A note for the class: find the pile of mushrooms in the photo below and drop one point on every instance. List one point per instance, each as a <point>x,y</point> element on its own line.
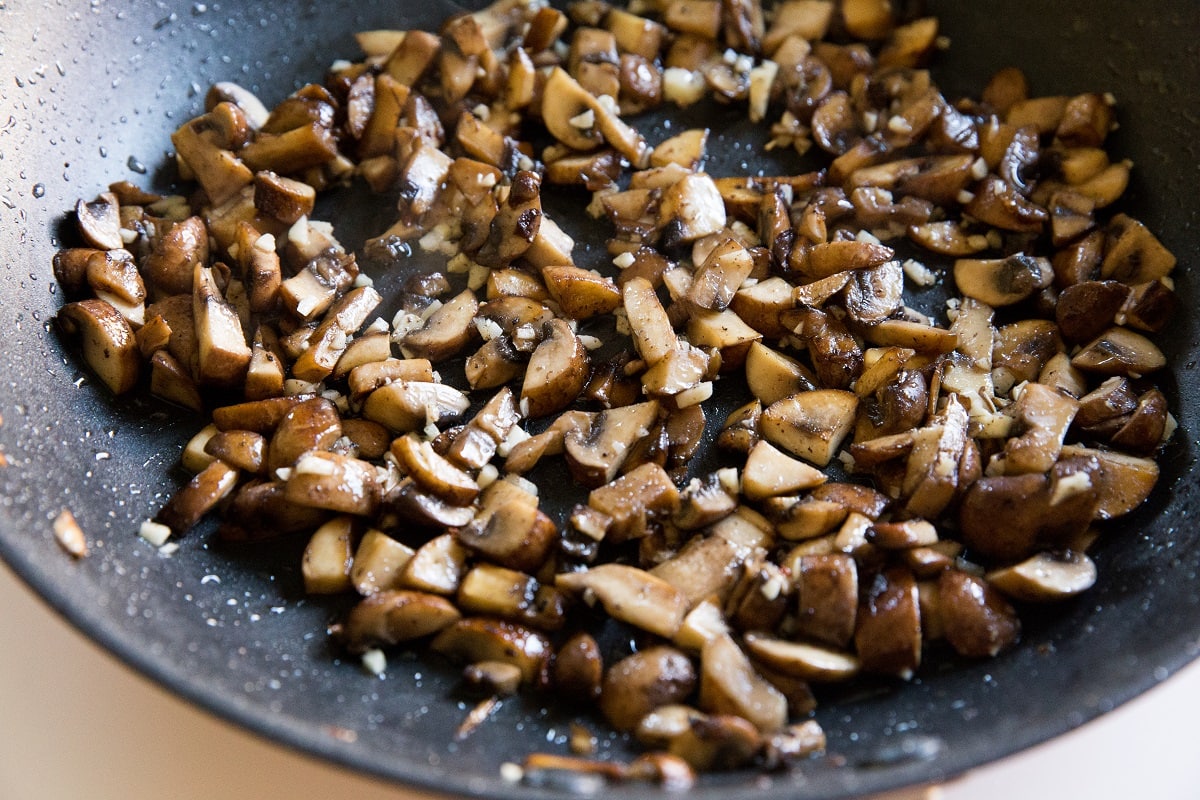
<point>986,452</point>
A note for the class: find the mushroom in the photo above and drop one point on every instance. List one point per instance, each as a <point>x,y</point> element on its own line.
<point>100,222</point>
<point>390,617</point>
<point>887,633</point>
<point>436,567</point>
<point>597,450</point>
<point>976,619</point>
<point>805,661</point>
<point>221,348</point>
<point>516,535</point>
<point>690,209</point>
<point>639,683</point>
<point>501,592</point>
<point>812,424</point>
<point>557,371</point>
<point>433,472</point>
<point>335,482</point>
<point>300,427</point>
<point>827,595</point>
<point>108,343</point>
<point>578,667</point>
<point>729,684</point>
<point>329,556</point>
<point>1002,282</point>
<point>378,562</point>
<point>198,497</point>
<point>406,405</point>
<point>631,595</point>
<point>1120,351</point>
<point>475,639</point>
<point>1046,577</point>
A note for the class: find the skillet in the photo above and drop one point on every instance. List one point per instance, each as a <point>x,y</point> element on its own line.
<point>89,95</point>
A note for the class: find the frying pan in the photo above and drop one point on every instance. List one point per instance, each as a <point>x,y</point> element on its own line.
<point>89,95</point>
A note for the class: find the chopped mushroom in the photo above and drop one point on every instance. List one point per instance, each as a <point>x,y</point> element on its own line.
<point>989,445</point>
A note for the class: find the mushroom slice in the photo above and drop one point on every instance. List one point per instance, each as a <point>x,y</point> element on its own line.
<point>223,353</point>
<point>827,594</point>
<point>308,425</point>
<point>565,116</point>
<point>874,294</point>
<point>335,482</point>
<point>976,619</point>
<point>706,567</point>
<point>948,238</point>
<point>631,595</point>
<point>691,209</point>
<point>433,472</point>
<point>1046,577</point>
<point>830,258</point>
<point>446,332</point>
<point>596,451</point>
<point>1132,254</point>
<point>194,500</point>
<point>331,338</point>
<point>557,371</point>
<point>1043,418</point>
<point>812,424</point>
<point>802,660</point>
<point>916,335</point>
<point>644,681</point>
<point>1119,351</point>
<point>718,279</point>
<point>378,563</point>
<point>729,684</point>
<point>724,331</point>
<point>578,667</point>
<point>244,450</point>
<point>397,615</point>
<point>501,592</point>
<point>109,345</point>
<point>438,566</point>
<point>769,472</point>
<point>1123,482</point>
<point>515,535</point>
<point>581,293</point>
<point>772,376</point>
<point>516,224</point>
<point>328,557</point>
<point>100,222</point>
<point>887,635</point>
<point>407,405</point>
<point>475,639</point>
<point>931,475</point>
<point>1002,282</point>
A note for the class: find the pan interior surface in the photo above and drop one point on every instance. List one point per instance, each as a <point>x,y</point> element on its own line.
<point>90,96</point>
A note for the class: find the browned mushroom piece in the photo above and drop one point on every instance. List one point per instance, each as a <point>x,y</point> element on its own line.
<point>729,684</point>
<point>639,683</point>
<point>475,639</point>
<point>300,427</point>
<point>510,594</point>
<point>399,615</point>
<point>516,535</point>
<point>557,371</point>
<point>887,633</point>
<point>1002,282</point>
<point>578,668</point>
<point>1120,351</point>
<point>976,619</point>
<point>827,598</point>
<point>597,448</point>
<point>198,497</point>
<point>812,424</point>
<point>335,482</point>
<point>1010,517</point>
<point>1046,577</point>
<point>107,340</point>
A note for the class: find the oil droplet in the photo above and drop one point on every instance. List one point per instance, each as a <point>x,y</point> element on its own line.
<point>135,165</point>
<point>39,190</point>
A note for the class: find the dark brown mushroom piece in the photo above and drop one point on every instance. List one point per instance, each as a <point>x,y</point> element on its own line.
<point>976,619</point>
<point>107,340</point>
<point>639,683</point>
<point>887,633</point>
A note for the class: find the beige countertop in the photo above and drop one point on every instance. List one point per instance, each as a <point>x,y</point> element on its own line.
<point>78,724</point>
